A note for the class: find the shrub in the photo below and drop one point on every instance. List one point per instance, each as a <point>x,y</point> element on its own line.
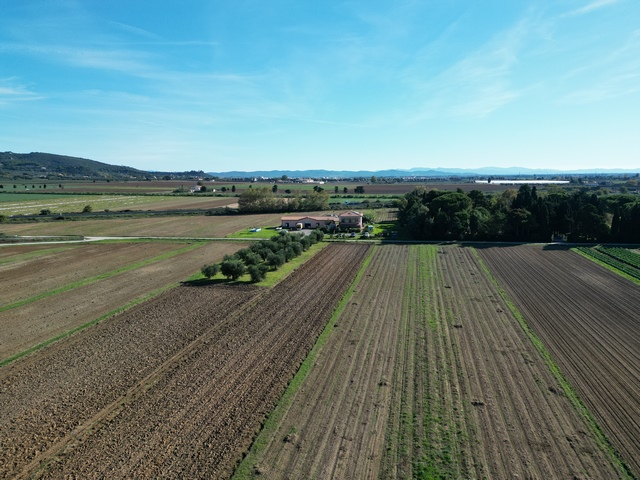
<point>256,273</point>
<point>233,268</point>
<point>275,260</point>
<point>210,271</point>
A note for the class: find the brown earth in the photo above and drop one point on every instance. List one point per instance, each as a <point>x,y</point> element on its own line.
<point>35,322</point>
<point>335,427</point>
<point>427,374</point>
<point>525,425</point>
<point>188,203</point>
<point>173,388</point>
<point>26,274</point>
<point>181,226</point>
<point>588,319</point>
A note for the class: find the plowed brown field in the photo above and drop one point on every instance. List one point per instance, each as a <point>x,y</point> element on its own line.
<point>26,274</point>
<point>428,375</point>
<point>589,320</point>
<point>174,388</point>
<point>165,226</point>
<point>35,322</point>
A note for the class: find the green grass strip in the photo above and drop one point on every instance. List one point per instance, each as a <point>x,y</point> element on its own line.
<point>129,305</point>
<point>600,437</point>
<point>271,424</point>
<point>88,281</point>
<point>604,264</point>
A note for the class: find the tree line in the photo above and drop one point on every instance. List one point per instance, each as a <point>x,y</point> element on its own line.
<point>263,200</point>
<point>520,215</point>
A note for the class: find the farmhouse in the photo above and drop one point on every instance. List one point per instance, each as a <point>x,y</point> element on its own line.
<point>346,220</point>
<point>324,221</point>
<point>351,219</point>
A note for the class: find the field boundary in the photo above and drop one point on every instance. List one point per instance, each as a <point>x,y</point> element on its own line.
<point>600,437</point>
<point>245,468</point>
<point>102,276</point>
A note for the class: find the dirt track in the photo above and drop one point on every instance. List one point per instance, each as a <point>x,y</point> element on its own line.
<point>588,319</point>
<point>176,387</point>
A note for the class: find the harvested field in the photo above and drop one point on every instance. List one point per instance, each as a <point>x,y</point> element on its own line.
<point>587,317</point>
<point>32,323</point>
<point>174,388</point>
<point>428,375</point>
<point>165,226</point>
<point>26,275</point>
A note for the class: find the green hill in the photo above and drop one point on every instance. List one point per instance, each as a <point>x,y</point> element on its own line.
<point>44,164</point>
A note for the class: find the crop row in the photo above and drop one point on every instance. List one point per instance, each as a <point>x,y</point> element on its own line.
<point>612,260</point>
<point>623,254</point>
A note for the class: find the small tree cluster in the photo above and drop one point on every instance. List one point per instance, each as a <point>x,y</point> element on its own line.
<point>262,256</point>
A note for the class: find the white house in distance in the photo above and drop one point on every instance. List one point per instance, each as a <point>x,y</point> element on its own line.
<point>345,220</point>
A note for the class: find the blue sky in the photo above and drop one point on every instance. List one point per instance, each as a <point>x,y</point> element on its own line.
<point>214,85</point>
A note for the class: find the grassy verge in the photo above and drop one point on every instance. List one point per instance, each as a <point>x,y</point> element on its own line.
<point>598,434</point>
<point>271,424</point>
<point>102,276</point>
<point>129,305</point>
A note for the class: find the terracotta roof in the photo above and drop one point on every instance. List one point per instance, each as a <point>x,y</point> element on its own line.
<point>350,213</point>
<point>294,218</point>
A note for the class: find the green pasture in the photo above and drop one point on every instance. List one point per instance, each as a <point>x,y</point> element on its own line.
<point>265,232</point>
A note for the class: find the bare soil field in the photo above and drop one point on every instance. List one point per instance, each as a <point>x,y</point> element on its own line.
<point>35,322</point>
<point>335,426</point>
<point>174,388</point>
<point>588,319</point>
<point>25,275</point>
<point>428,375</point>
<point>188,203</point>
<point>165,226</point>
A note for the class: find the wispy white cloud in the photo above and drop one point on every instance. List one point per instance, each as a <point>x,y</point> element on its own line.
<point>614,75</point>
<point>135,30</point>
<point>595,5</point>
<point>477,84</point>
<point>11,91</point>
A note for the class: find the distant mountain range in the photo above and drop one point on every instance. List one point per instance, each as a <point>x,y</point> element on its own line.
<point>45,164</point>
<point>420,172</point>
